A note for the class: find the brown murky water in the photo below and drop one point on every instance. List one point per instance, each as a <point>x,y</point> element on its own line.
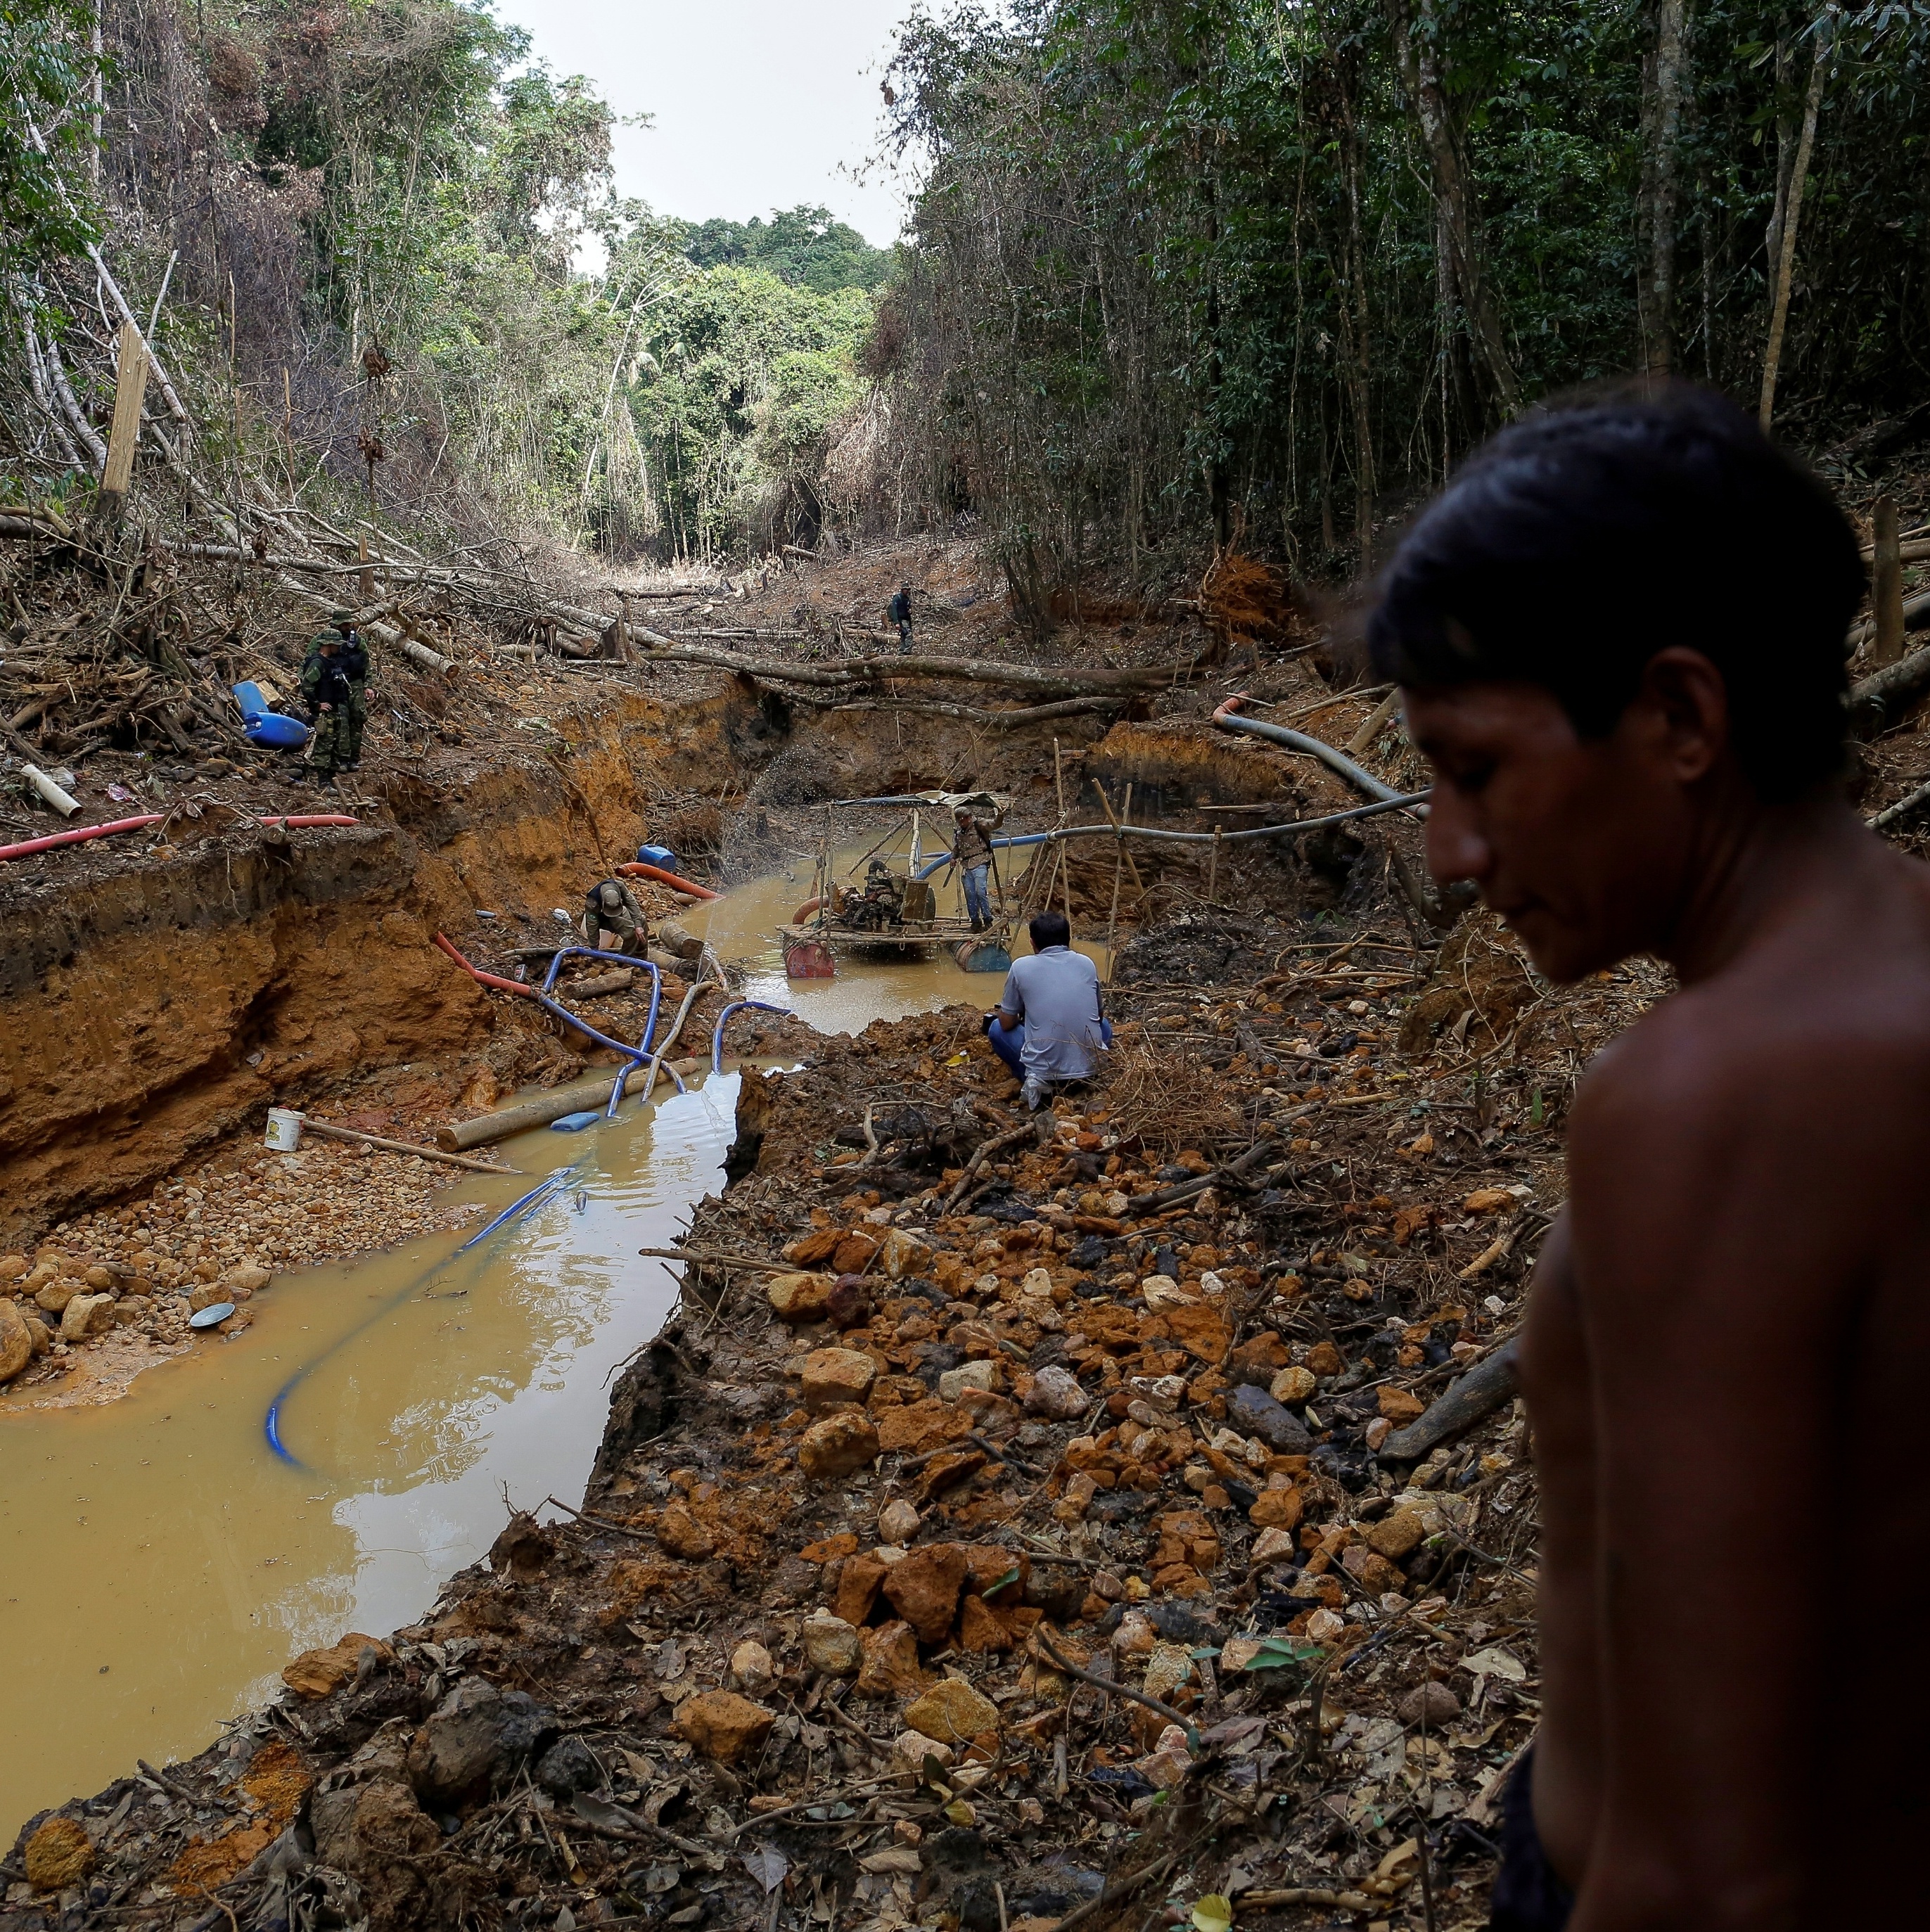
<point>742,926</point>
<point>160,1562</point>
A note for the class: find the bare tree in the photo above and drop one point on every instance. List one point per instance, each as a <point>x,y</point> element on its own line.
<point>1784,267</point>
<point>1664,74</point>
<point>1416,45</point>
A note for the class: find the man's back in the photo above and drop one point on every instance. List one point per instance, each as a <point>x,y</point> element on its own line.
<point>1056,993</point>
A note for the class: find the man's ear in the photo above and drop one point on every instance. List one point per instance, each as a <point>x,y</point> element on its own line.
<point>1683,703</point>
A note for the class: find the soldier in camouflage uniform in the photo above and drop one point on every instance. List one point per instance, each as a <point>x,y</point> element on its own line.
<point>355,668</point>
<point>325,688</point>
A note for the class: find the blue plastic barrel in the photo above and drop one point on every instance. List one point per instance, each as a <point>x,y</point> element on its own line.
<point>261,726</point>
<point>661,856</point>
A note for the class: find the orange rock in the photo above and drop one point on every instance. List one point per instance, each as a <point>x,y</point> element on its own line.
<point>838,1446</point>
<point>924,1588</point>
<point>1277,1509</point>
<point>318,1673</point>
<point>679,1534</point>
<point>982,1629</point>
<point>807,1250</point>
<point>1398,1406</point>
<point>799,1298</point>
<point>853,1254</point>
<point>947,1471</point>
<point>858,1584</point>
<point>1396,1536</point>
<point>921,1426</point>
<point>1199,1329</point>
<point>987,1565</point>
<point>843,1544</point>
<point>1257,1361</point>
<point>1488,1200</point>
<point>1324,1359</point>
<point>1372,1572</point>
<point>721,1726</point>
<point>835,1376</point>
<point>1180,1579</point>
<point>890,1667</point>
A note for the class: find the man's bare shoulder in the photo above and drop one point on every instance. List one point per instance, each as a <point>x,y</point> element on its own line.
<point>1808,1058</point>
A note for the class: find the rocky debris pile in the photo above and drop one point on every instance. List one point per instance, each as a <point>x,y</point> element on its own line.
<point>121,1282</point>
<point>1008,1530</point>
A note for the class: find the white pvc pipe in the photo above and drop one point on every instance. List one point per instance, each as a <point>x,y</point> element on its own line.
<point>65,805</point>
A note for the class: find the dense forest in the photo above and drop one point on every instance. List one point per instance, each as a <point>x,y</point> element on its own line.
<point>1179,273</point>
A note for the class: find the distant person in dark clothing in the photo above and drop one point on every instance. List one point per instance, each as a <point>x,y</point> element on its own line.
<point>899,612</point>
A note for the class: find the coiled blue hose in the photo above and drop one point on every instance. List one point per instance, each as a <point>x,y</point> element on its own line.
<point>717,1032</point>
<point>638,1056</point>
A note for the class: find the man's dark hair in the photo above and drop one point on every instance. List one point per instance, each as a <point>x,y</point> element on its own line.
<point>1048,928</point>
<point>1581,540</point>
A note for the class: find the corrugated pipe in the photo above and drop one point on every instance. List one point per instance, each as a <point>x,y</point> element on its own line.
<point>637,1061</point>
<point>1396,803</point>
<point>28,847</point>
<point>1356,775</point>
<point>635,869</point>
<point>735,1006</point>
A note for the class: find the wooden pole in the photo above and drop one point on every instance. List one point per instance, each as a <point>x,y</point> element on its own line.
<point>365,581</point>
<point>1886,583</point>
<point>1112,917</point>
<point>130,383</point>
<point>1371,730</point>
<point>1212,868</point>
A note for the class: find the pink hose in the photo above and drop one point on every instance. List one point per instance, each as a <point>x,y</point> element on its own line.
<point>28,847</point>
<point>637,869</point>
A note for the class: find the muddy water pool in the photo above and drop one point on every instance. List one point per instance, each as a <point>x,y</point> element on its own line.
<point>742,927</point>
<point>159,1560</point>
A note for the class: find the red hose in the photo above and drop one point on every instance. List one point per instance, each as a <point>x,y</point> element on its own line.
<point>29,846</point>
<point>482,978</point>
<point>637,869</point>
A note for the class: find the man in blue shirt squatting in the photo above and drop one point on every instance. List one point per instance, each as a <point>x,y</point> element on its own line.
<point>1047,1026</point>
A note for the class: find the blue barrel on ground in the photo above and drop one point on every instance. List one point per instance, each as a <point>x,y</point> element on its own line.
<point>263,726</point>
<point>661,856</point>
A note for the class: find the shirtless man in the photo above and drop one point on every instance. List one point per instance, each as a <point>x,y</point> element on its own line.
<point>1619,634</point>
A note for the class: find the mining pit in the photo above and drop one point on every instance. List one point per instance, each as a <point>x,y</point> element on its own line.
<point>978,1517</point>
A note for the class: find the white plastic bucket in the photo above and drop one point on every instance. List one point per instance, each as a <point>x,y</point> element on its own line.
<point>284,1130</point>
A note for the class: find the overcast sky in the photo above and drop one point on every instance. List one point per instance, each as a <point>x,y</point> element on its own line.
<point>756,104</point>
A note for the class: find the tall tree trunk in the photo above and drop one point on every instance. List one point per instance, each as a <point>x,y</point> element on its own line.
<point>1360,342</point>
<point>1416,48</point>
<point>1663,74</point>
<point>1785,264</point>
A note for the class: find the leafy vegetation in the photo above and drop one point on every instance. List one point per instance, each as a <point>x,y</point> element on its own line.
<point>1190,271</point>
<point>803,246</point>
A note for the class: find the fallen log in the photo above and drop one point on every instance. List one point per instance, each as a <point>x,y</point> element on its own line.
<point>1476,1396</point>
<point>593,1091</point>
<point>329,1131</point>
<point>838,672</point>
<point>992,720</point>
<point>1883,693</point>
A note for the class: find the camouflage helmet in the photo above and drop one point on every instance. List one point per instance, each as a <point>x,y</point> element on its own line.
<point>341,619</point>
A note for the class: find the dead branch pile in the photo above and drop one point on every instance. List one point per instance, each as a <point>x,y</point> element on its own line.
<point>1160,1091</point>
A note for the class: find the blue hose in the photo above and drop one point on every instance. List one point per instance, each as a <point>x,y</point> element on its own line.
<point>1399,802</point>
<point>638,1056</point>
<point>717,1033</point>
<point>523,1205</point>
